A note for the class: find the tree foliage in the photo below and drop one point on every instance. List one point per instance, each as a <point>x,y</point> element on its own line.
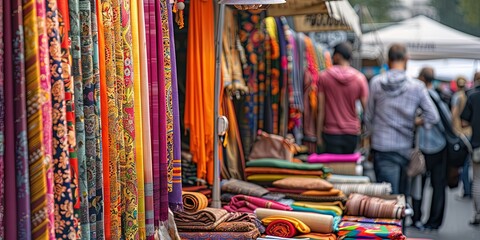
<point>471,11</point>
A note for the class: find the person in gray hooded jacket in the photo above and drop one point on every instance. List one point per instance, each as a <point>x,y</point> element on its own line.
<point>390,119</point>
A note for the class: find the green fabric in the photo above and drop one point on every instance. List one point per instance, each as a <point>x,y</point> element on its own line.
<point>313,210</point>
<point>277,163</point>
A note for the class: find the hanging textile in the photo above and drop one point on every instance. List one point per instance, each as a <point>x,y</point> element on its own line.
<point>23,223</point>
<point>147,148</point>
<point>137,81</point>
<point>275,83</point>
<point>128,176</point>
<point>175,196</point>
<point>310,95</point>
<point>283,79</point>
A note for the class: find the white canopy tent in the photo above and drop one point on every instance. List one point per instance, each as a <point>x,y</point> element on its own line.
<point>426,39</point>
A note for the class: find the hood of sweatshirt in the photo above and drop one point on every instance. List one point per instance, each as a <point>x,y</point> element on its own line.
<point>394,82</point>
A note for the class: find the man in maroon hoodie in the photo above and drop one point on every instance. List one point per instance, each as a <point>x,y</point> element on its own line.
<point>340,87</point>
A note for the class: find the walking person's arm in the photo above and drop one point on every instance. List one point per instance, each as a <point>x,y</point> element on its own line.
<point>467,112</point>
<point>430,114</point>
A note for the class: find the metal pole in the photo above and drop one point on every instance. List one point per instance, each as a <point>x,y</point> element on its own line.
<point>216,203</point>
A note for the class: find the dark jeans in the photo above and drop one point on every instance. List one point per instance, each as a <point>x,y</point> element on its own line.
<point>391,167</point>
<point>467,183</point>
<point>437,171</point>
<point>340,144</point>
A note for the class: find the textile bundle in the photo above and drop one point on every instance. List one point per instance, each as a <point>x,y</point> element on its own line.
<point>193,201</point>
<point>331,210</point>
<point>81,160</point>
<point>360,230</point>
<point>334,158</point>
<point>242,203</point>
<point>254,234</point>
<point>281,228</point>
<point>371,189</point>
<point>335,178</point>
<point>361,205</point>
<point>206,219</point>
<point>241,187</point>
<point>303,183</point>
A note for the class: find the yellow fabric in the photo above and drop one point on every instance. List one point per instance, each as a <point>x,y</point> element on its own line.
<point>319,236</point>
<point>319,206</point>
<point>332,192</point>
<point>137,81</point>
<point>275,177</point>
<point>299,225</point>
<point>335,203</point>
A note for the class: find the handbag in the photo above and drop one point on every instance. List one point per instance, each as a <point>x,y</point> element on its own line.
<point>416,166</point>
<point>272,146</point>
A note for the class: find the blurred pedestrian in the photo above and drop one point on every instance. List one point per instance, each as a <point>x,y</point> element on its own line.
<point>390,119</point>
<point>471,117</point>
<point>340,87</point>
<point>459,100</point>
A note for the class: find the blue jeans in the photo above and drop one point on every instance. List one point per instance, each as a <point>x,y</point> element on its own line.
<point>391,167</point>
<point>467,184</point>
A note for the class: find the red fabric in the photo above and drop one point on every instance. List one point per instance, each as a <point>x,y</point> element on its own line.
<point>242,203</point>
<point>342,86</point>
<point>281,190</point>
<point>281,228</point>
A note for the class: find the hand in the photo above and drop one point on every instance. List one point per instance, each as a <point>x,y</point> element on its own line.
<point>419,121</point>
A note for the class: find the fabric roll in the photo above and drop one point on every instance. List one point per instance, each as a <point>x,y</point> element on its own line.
<point>298,197</point>
<point>241,187</point>
<point>372,189</point>
<point>382,221</point>
<point>357,230</point>
<point>174,197</point>
<point>331,192</point>
<point>235,227</point>
<point>24,230</point>
<point>75,32</point>
<point>297,224</point>
<point>219,235</point>
<point>194,201</point>
<point>270,170</point>
<point>36,149</point>
<point>362,205</point>
<point>242,203</point>
<point>319,206</point>
<point>335,178</point>
<point>313,210</point>
<point>317,222</point>
<point>281,228</point>
<point>275,177</point>
<point>345,168</point>
<point>206,219</point>
<point>334,158</point>
<point>303,183</point>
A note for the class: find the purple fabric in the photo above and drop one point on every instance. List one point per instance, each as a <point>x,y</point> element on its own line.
<point>8,166</point>
<point>334,158</point>
<point>2,130</point>
<point>175,197</point>
<point>21,146</point>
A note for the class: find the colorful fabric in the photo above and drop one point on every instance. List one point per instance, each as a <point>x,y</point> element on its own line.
<point>23,224</point>
<point>299,225</point>
<point>277,163</point>
<point>75,32</point>
<point>219,235</point>
<point>269,170</point>
<point>277,177</point>
<point>371,189</point>
<point>319,236</point>
<point>206,219</point>
<point>331,192</point>
<point>194,201</point>
<point>282,190</point>
<point>35,112</point>
<point>242,203</point>
<point>334,158</point>
<point>241,187</point>
<point>298,197</point>
<point>316,222</point>
<point>235,227</point>
<point>383,221</point>
<point>319,206</point>
<point>359,230</point>
<point>281,228</point>
<point>303,183</point>
<point>175,196</point>
<point>313,210</point>
<point>362,205</point>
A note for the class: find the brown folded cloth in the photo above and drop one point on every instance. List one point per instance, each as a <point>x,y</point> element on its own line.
<point>331,192</point>
<point>373,207</point>
<point>298,197</point>
<point>303,183</point>
<point>194,201</point>
<point>343,168</point>
<point>242,187</point>
<point>254,234</point>
<point>235,227</point>
<point>282,190</point>
<point>271,170</point>
<point>206,219</point>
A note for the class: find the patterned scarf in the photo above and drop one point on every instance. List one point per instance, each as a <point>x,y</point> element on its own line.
<point>63,194</point>
<point>24,230</point>
<point>175,196</point>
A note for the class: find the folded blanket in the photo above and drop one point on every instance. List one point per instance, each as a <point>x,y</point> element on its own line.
<point>298,197</point>
<point>332,158</point>
<point>383,221</point>
<point>319,236</point>
<point>276,163</point>
<point>319,206</point>
<point>299,225</point>
<point>345,168</point>
<point>303,183</point>
<point>370,189</point>
<point>274,196</point>
<point>241,187</point>
<point>317,222</point>
<point>235,227</point>
<point>194,201</point>
<point>206,219</point>
<point>336,178</point>
<point>372,207</point>
<point>242,203</point>
<point>357,230</point>
<point>270,170</point>
<point>254,234</point>
<point>275,177</point>
<point>312,210</point>
<point>283,190</point>
<point>331,192</point>
<point>281,228</point>
<point>246,217</point>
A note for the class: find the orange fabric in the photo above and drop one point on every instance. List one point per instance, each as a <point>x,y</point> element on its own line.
<point>332,192</point>
<point>200,86</point>
<point>270,170</point>
<point>104,115</point>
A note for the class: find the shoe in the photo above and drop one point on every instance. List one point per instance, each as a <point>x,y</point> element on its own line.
<point>475,222</point>
<point>430,228</point>
<point>418,225</point>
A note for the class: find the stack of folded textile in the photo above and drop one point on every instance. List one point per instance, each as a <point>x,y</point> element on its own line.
<point>288,224</point>
<point>233,187</point>
<point>217,224</point>
<point>339,163</point>
<point>370,228</point>
<point>265,171</point>
<point>248,204</point>
<point>370,189</point>
<point>336,178</point>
